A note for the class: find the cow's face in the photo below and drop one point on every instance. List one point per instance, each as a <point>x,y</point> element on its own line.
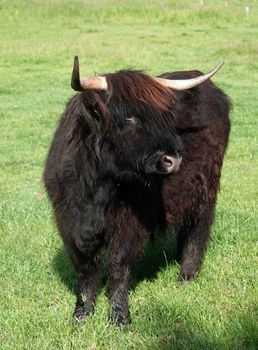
<point>141,145</point>
<point>141,128</point>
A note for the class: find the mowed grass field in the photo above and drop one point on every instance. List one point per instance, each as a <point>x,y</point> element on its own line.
<point>38,40</point>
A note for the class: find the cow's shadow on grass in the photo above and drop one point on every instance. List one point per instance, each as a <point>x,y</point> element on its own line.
<point>158,254</point>
<point>64,269</point>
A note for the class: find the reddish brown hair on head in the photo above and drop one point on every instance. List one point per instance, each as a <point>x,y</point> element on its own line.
<point>137,86</point>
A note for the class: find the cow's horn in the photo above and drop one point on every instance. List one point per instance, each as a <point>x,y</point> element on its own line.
<point>96,83</point>
<point>185,84</point>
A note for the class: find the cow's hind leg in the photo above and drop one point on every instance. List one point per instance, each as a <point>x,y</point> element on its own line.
<point>124,250</point>
<point>192,241</point>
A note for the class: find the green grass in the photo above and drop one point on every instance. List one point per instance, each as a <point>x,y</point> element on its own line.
<point>38,40</point>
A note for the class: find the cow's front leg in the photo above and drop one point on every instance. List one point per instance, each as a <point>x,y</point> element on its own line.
<point>119,276</point>
<point>83,242</point>
<point>88,285</point>
<point>88,233</point>
<point>126,246</point>
<point>86,267</point>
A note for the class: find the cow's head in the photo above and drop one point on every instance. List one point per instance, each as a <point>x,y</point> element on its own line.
<point>129,120</point>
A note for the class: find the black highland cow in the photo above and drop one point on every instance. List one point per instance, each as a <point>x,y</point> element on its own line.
<point>134,154</point>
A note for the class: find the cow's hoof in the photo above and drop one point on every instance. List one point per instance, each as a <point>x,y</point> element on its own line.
<point>81,314</point>
<point>185,278</point>
<point>187,274</point>
<point>79,317</point>
<point>119,319</point>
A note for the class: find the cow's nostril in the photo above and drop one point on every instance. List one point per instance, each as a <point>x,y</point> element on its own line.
<point>167,161</point>
<point>170,163</point>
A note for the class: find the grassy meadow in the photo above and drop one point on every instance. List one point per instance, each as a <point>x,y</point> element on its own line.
<point>38,40</point>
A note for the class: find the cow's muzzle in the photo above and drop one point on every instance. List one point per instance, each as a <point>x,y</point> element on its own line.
<point>170,164</point>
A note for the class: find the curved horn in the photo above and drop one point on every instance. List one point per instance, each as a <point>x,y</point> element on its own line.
<point>96,83</point>
<point>185,84</point>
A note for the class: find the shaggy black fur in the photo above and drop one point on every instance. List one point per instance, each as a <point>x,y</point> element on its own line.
<point>109,189</point>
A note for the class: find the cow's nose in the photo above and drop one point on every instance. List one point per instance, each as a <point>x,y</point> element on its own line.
<point>170,163</point>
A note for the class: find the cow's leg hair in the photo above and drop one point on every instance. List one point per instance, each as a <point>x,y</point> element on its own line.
<point>86,267</point>
<point>87,234</point>
<point>191,245</point>
<point>124,251</point>
<point>119,276</point>
<point>87,284</point>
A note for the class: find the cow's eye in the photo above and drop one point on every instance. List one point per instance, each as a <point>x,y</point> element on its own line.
<point>131,120</point>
